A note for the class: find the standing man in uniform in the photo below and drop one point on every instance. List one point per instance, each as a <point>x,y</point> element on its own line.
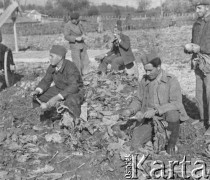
<point>201,37</point>
<point>128,20</point>
<point>100,24</point>
<point>75,34</point>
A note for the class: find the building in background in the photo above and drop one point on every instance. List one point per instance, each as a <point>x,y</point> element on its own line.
<point>35,15</point>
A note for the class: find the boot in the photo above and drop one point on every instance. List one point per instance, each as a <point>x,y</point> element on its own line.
<point>173,127</point>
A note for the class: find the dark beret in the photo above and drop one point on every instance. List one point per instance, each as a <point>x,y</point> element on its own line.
<point>201,2</point>
<point>75,15</point>
<point>148,57</point>
<point>58,50</point>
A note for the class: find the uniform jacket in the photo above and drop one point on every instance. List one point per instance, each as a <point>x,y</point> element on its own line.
<point>124,49</point>
<point>71,32</point>
<point>201,34</point>
<point>169,96</point>
<point>67,79</point>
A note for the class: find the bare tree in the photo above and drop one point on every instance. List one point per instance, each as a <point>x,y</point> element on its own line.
<point>143,5</point>
<point>73,5</point>
<point>177,6</point>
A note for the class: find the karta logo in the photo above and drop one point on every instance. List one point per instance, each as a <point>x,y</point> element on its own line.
<point>158,169</point>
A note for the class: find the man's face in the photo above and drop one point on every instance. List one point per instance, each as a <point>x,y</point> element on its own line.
<point>54,59</point>
<point>201,10</point>
<point>75,21</point>
<point>151,71</point>
<point>116,31</point>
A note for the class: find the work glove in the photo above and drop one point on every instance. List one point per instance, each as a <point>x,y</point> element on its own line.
<point>34,93</point>
<point>150,113</point>
<point>52,102</point>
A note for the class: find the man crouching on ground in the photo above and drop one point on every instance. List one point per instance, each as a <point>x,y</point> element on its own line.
<point>67,83</point>
<point>159,94</point>
<point>120,56</point>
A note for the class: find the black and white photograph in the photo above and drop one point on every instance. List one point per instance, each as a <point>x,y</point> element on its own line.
<point>104,89</point>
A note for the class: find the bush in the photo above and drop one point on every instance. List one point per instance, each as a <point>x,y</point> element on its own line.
<point>93,11</point>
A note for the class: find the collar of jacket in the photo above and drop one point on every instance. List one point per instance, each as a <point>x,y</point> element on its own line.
<point>62,67</point>
<point>207,17</point>
<point>163,79</point>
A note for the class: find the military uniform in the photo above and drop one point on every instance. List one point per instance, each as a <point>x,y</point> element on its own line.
<point>78,48</point>
<point>68,83</point>
<point>160,95</point>
<point>163,94</point>
<point>201,37</point>
<point>100,24</point>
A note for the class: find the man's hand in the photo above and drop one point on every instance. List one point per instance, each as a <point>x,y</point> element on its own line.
<point>44,106</point>
<point>139,116</point>
<point>52,102</point>
<point>126,113</point>
<point>84,36</point>
<point>33,93</point>
<point>100,57</point>
<point>191,48</point>
<point>79,38</point>
<point>117,36</point>
<point>150,113</point>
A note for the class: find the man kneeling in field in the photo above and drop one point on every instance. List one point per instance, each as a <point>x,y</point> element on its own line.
<point>158,96</point>
<point>67,83</point>
<point>120,56</point>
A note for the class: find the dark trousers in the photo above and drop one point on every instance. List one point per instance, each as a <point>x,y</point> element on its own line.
<point>203,95</point>
<point>116,61</point>
<point>143,133</point>
<point>73,101</point>
<point>3,49</point>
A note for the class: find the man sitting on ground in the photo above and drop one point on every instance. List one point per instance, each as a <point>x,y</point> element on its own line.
<point>158,95</point>
<point>67,83</point>
<point>120,56</point>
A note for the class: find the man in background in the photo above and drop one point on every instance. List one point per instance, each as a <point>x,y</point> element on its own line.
<point>75,34</point>
<point>201,38</point>
<point>100,24</point>
<point>128,20</point>
<point>120,56</point>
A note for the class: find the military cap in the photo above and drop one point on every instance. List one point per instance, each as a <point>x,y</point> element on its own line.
<point>201,2</point>
<point>148,57</point>
<point>75,15</point>
<point>58,50</point>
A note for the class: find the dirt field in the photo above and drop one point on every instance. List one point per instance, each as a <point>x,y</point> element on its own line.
<point>98,151</point>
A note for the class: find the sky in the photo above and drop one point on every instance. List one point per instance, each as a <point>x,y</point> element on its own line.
<point>132,3</point>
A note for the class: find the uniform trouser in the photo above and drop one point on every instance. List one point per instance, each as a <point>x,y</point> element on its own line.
<point>73,101</point>
<point>100,27</point>
<point>81,59</point>
<point>143,133</point>
<point>203,95</point>
<point>116,61</point>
